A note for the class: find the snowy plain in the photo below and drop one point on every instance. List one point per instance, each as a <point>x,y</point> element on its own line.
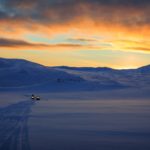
<point>78,110</point>
<point>75,121</point>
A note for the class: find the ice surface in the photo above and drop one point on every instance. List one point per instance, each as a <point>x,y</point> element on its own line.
<point>75,120</point>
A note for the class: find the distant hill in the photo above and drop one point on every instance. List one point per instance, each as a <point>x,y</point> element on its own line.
<point>22,73</point>
<point>88,69</point>
<point>18,72</point>
<point>139,77</point>
<point>145,69</point>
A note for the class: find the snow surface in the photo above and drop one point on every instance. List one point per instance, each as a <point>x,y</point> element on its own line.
<point>75,120</point>
<point>16,74</point>
<point>110,77</point>
<point>80,108</point>
<point>21,73</point>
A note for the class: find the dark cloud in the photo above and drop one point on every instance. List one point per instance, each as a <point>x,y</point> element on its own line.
<point>128,12</point>
<point>18,43</point>
<point>70,2</point>
<point>11,43</point>
<point>3,15</point>
<point>120,2</point>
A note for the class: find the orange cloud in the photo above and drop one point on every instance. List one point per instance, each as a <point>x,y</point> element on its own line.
<point>96,18</point>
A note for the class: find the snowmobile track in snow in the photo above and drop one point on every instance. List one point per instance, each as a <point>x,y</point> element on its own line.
<point>14,126</point>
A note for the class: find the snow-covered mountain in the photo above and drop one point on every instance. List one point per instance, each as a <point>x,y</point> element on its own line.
<point>139,77</point>
<point>17,72</point>
<point>22,73</point>
<point>144,70</point>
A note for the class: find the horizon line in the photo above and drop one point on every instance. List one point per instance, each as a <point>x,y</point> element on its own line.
<point>69,66</point>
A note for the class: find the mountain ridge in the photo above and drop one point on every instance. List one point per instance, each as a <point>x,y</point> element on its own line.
<point>70,67</point>
<point>18,72</point>
<point>23,73</point>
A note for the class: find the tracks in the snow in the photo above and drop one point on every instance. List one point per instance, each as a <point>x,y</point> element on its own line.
<point>14,127</point>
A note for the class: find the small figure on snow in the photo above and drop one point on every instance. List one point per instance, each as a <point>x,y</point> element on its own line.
<point>32,96</point>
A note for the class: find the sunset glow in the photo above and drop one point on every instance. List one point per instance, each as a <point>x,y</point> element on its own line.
<point>113,33</point>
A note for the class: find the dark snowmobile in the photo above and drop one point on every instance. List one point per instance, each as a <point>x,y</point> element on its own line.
<point>33,97</point>
<point>37,98</point>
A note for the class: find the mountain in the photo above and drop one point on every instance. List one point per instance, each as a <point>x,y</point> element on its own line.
<point>145,69</point>
<point>17,72</point>
<point>22,73</point>
<point>139,77</point>
<point>88,69</point>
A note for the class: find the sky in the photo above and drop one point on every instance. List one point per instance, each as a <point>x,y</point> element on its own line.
<point>94,33</point>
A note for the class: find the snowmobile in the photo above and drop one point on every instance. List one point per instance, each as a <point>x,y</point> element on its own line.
<point>37,98</point>
<point>32,96</point>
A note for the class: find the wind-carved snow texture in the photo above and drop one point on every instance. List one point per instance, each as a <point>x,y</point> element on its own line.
<point>14,126</point>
